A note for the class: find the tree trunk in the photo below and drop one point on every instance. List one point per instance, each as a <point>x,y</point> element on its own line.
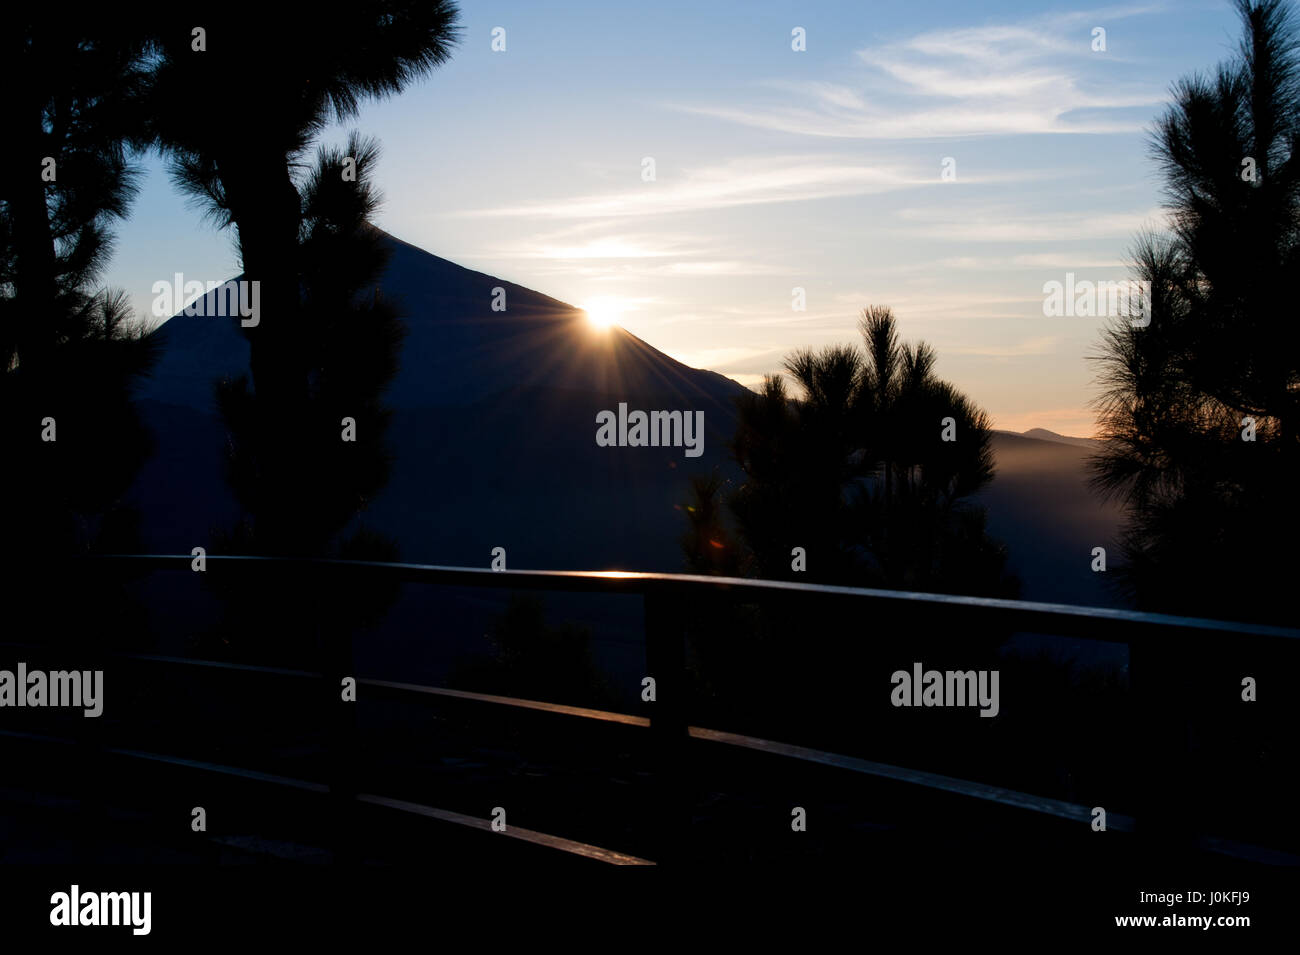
<point>266,208</point>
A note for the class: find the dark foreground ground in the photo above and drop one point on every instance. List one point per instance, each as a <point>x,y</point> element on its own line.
<point>282,851</point>
<point>599,785</point>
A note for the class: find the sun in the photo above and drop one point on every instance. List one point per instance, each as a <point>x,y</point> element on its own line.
<point>602,312</point>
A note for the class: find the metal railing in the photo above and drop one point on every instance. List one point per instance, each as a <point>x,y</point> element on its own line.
<point>665,596</point>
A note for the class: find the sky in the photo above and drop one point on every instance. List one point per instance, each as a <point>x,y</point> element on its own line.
<point>777,169</point>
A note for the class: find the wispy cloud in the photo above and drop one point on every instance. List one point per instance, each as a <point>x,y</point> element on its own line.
<point>1042,345</point>
<point>997,224</point>
<point>619,245</point>
<point>601,250</point>
<point>1002,263</point>
<point>935,303</point>
<point>1040,76</point>
<point>739,182</point>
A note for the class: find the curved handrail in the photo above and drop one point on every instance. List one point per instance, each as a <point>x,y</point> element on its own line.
<point>1122,626</point>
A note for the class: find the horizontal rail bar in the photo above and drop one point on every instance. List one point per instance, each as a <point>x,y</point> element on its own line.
<point>1098,623</point>
<point>417,688</point>
<point>570,846</point>
<point>562,709</point>
<point>961,787</point>
<point>515,832</point>
<point>974,790</point>
<point>922,609</point>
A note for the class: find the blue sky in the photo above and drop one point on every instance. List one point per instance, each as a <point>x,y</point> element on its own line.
<point>777,169</point>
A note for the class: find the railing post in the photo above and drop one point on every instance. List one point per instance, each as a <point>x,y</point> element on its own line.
<point>666,664</point>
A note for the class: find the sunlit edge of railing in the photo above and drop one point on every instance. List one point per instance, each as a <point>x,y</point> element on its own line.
<point>1054,618</point>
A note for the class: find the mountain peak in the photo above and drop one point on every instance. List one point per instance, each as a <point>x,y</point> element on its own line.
<point>470,336</point>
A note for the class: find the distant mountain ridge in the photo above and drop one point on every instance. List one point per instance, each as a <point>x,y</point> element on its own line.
<point>1043,434</point>
<point>493,429</point>
<point>494,440</point>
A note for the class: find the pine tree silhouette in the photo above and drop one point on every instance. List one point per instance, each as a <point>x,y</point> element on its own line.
<point>1207,508</point>
<point>69,350</point>
<point>857,472</point>
<point>280,82</point>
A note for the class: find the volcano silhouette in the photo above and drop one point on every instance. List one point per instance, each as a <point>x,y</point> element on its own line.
<point>492,435</point>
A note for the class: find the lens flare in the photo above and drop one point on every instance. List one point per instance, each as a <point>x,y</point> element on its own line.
<point>603,313</point>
